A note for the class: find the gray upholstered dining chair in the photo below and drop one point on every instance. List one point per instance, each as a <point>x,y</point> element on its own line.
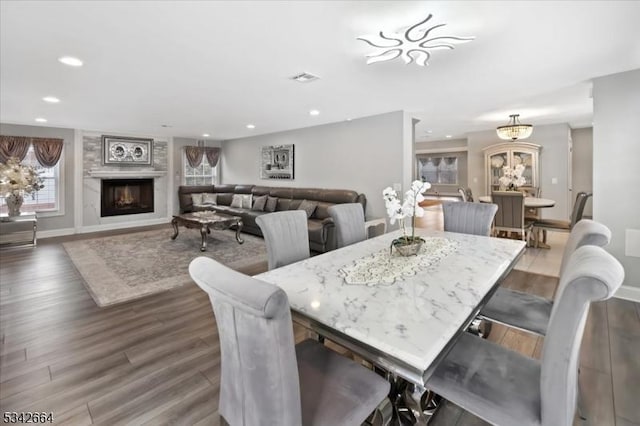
<point>469,218</point>
<point>466,194</point>
<point>266,379</point>
<point>510,214</point>
<point>529,312</point>
<point>563,225</point>
<point>507,388</point>
<point>348,219</point>
<point>286,237</point>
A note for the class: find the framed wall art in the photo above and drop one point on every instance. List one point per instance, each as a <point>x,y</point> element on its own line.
<point>130,151</point>
<point>277,162</point>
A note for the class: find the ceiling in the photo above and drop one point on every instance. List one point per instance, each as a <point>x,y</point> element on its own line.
<point>214,67</point>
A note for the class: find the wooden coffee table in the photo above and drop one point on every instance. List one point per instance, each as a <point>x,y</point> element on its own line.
<point>205,221</point>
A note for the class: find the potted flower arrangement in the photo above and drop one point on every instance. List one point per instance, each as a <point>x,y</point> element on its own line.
<point>407,244</point>
<point>512,178</point>
<point>16,180</point>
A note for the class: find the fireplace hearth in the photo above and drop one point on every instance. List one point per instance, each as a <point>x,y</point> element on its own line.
<point>126,196</point>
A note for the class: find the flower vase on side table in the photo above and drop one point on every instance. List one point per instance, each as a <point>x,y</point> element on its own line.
<point>14,203</point>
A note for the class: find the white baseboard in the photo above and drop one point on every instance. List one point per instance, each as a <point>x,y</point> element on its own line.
<point>55,233</point>
<point>628,293</point>
<point>112,226</point>
<point>96,228</point>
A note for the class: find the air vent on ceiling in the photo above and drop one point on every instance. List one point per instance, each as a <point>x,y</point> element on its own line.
<point>304,77</point>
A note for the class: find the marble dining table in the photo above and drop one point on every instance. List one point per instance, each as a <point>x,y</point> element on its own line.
<point>401,314</point>
<point>529,202</point>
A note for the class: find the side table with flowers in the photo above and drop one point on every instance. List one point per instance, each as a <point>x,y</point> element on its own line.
<point>17,180</point>
<point>406,245</point>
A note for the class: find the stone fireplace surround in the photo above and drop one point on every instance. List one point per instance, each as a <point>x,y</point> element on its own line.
<point>94,172</point>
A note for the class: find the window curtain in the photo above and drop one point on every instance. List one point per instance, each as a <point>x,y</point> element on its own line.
<point>194,155</point>
<point>47,150</point>
<point>13,146</point>
<point>213,155</point>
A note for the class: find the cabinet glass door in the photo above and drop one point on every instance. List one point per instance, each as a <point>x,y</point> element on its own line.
<point>497,162</point>
<point>526,159</point>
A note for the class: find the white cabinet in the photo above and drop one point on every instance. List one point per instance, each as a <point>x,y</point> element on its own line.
<point>511,154</point>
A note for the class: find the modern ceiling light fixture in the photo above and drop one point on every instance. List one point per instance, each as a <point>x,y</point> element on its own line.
<point>41,120</point>
<point>251,126</point>
<point>51,99</point>
<point>514,130</point>
<point>314,112</point>
<point>414,44</point>
<point>205,135</point>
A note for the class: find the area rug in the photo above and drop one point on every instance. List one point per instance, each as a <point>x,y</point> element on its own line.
<point>120,268</point>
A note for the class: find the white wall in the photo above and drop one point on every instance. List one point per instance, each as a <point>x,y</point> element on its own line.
<point>554,158</point>
<point>364,155</point>
<point>58,220</point>
<point>582,169</point>
<point>616,174</point>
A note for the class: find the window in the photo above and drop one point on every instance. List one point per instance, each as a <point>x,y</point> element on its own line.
<point>204,174</point>
<point>48,198</point>
<point>438,170</point>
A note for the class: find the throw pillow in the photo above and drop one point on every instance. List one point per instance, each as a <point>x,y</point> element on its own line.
<point>271,205</point>
<point>236,201</point>
<point>196,199</point>
<point>246,201</point>
<point>211,199</point>
<point>259,203</point>
<point>308,206</point>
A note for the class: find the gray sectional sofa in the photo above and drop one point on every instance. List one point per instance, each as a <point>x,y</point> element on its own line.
<point>318,200</point>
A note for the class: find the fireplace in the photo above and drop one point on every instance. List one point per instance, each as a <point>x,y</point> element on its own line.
<point>126,196</point>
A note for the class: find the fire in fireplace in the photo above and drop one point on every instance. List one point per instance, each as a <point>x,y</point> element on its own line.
<point>126,196</point>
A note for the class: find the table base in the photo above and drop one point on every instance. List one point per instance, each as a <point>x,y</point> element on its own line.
<point>205,229</point>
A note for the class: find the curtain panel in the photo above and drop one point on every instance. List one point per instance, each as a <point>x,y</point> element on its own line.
<point>13,146</point>
<point>47,150</point>
<point>194,155</point>
<point>213,155</point>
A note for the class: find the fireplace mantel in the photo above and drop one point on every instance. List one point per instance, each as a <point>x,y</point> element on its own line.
<point>125,174</point>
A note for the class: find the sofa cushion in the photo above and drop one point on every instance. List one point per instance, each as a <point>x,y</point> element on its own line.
<point>211,199</point>
<point>236,201</point>
<point>272,203</point>
<point>247,201</point>
<point>308,206</point>
<point>322,211</point>
<point>249,218</point>
<point>224,188</point>
<point>294,204</point>
<point>196,199</point>
<point>283,204</point>
<point>259,203</point>
<point>224,198</point>
<point>243,189</point>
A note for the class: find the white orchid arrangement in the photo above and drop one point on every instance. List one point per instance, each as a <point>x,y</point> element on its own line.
<point>410,207</point>
<point>18,179</point>
<point>512,177</point>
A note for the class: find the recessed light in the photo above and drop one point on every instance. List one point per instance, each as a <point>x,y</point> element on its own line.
<point>314,112</point>
<point>166,125</point>
<point>448,136</point>
<point>51,99</point>
<point>251,126</point>
<point>349,119</point>
<point>41,120</point>
<point>71,61</point>
<point>205,135</point>
<point>429,131</point>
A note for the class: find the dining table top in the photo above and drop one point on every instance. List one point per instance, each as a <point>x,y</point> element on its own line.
<point>402,313</point>
<point>532,202</point>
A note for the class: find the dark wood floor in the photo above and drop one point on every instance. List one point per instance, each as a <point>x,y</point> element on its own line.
<point>156,360</point>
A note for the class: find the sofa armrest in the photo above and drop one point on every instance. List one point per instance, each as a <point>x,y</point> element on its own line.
<point>375,227</point>
<point>327,221</point>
